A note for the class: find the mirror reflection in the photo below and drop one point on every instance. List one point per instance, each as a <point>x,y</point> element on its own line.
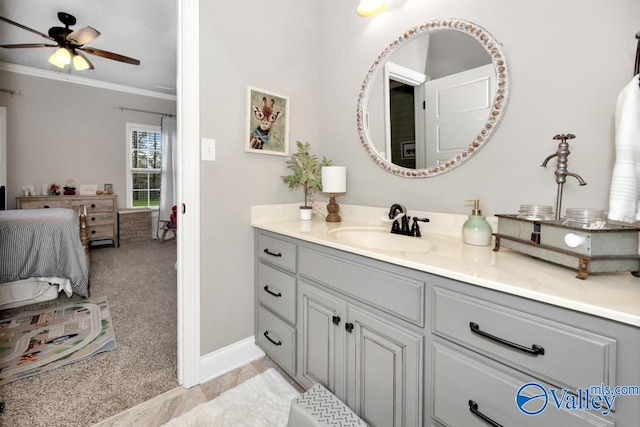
<point>432,98</point>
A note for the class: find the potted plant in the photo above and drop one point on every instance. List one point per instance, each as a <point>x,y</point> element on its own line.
<point>305,173</point>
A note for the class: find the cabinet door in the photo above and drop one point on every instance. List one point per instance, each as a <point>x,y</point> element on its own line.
<point>384,371</point>
<point>321,337</point>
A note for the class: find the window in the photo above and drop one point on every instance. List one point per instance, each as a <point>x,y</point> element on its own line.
<point>144,165</point>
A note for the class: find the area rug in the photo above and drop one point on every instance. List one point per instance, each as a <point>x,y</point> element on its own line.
<point>39,341</point>
<point>262,401</point>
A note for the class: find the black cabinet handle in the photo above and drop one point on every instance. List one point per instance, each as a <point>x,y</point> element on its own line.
<point>266,288</point>
<point>93,206</point>
<point>93,218</point>
<point>348,327</point>
<point>534,350</point>
<point>473,407</point>
<point>268,252</point>
<point>45,207</point>
<point>93,231</point>
<point>336,320</point>
<point>266,334</point>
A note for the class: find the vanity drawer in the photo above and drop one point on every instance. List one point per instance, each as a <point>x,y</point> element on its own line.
<point>400,296</point>
<point>277,252</point>
<point>277,290</point>
<point>460,377</point>
<point>277,339</point>
<point>568,357</point>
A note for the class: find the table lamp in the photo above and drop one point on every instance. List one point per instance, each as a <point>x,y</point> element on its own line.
<point>334,180</point>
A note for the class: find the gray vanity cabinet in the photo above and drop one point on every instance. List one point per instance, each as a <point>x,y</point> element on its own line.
<point>358,328</point>
<point>407,348</point>
<point>349,349</point>
<point>322,339</point>
<point>384,371</point>
<point>275,325</point>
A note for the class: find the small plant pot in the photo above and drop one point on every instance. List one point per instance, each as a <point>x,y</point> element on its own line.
<point>305,213</point>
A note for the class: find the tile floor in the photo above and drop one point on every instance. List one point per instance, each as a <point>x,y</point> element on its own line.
<point>161,409</point>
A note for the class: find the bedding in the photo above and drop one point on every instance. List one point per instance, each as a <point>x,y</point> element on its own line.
<point>42,243</point>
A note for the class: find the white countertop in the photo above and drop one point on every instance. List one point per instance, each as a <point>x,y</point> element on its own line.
<point>614,296</point>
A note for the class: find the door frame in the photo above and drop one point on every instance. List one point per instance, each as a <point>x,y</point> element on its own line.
<point>188,194</point>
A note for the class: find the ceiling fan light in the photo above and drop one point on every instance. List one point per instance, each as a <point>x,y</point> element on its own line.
<point>80,62</point>
<point>370,7</point>
<point>62,56</point>
<point>54,60</point>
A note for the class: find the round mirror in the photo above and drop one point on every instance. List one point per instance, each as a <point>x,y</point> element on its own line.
<point>433,98</point>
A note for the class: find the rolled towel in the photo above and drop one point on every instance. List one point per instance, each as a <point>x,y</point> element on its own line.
<point>624,196</point>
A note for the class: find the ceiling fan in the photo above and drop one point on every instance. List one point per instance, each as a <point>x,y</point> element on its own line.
<point>70,44</point>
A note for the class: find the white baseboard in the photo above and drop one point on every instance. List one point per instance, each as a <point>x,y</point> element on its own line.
<point>228,358</point>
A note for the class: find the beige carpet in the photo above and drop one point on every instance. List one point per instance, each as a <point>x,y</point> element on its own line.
<point>140,283</point>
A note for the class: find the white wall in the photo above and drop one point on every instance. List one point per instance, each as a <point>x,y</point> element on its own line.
<point>58,131</point>
<point>272,47</point>
<point>568,62</point>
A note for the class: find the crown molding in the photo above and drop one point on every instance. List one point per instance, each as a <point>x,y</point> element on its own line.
<point>54,75</point>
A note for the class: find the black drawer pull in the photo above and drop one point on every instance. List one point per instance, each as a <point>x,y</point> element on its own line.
<point>534,350</point>
<point>473,407</point>
<point>93,206</point>
<point>266,334</point>
<point>268,252</point>
<point>45,207</point>
<point>348,327</point>
<point>93,218</point>
<point>93,231</point>
<point>266,288</point>
<point>336,320</point>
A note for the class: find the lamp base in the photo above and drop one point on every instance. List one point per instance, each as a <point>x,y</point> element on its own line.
<point>333,209</point>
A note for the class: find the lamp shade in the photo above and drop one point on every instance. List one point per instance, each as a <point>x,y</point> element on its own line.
<point>334,179</point>
<point>80,62</point>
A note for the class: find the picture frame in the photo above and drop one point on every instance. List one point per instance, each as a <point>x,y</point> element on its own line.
<point>108,187</point>
<point>88,189</point>
<point>409,150</point>
<point>267,122</point>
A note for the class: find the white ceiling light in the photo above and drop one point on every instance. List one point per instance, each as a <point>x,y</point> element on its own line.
<point>80,62</point>
<point>60,57</point>
<point>370,7</point>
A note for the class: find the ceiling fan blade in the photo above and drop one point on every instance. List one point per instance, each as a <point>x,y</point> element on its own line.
<point>110,55</point>
<point>82,36</point>
<point>21,45</point>
<point>9,21</point>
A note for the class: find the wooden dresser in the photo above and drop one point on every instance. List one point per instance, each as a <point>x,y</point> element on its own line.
<point>101,212</point>
<point>134,226</point>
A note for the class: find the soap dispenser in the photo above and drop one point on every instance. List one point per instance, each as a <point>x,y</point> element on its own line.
<point>476,230</point>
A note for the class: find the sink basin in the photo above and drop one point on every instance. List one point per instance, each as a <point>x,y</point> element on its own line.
<point>381,239</point>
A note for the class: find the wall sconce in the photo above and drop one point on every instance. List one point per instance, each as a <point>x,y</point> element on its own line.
<point>370,7</point>
<point>334,180</point>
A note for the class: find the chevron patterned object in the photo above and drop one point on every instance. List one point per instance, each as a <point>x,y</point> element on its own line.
<point>318,407</point>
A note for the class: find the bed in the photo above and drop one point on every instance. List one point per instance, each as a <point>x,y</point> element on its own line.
<point>42,252</point>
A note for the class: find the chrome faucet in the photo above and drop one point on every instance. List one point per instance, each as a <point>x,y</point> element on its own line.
<point>397,211</point>
<point>561,172</point>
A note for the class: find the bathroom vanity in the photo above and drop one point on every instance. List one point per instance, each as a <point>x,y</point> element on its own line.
<point>445,334</point>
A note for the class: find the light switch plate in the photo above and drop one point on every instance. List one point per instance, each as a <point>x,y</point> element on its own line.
<point>208,149</point>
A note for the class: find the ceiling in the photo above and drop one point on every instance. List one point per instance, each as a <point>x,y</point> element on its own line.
<point>142,29</point>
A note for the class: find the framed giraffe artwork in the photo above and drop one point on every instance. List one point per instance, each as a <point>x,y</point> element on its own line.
<point>267,122</point>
